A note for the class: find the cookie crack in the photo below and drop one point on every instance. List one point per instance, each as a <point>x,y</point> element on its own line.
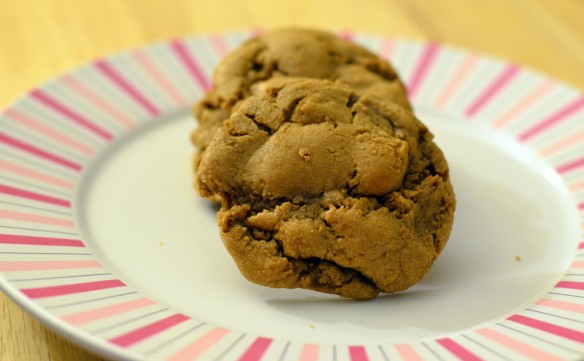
<point>260,126</point>
<point>289,111</point>
<point>312,265</point>
<point>353,98</point>
<point>376,69</point>
<point>402,273</point>
<point>330,226</point>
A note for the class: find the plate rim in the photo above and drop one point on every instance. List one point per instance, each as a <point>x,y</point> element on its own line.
<point>100,346</point>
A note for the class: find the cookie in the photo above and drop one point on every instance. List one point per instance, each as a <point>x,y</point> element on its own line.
<point>328,189</point>
<point>291,53</point>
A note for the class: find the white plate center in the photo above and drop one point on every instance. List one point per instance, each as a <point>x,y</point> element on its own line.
<point>515,232</point>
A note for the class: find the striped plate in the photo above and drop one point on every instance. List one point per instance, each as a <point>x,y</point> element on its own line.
<point>103,239</point>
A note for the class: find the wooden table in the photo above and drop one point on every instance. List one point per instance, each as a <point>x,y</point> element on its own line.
<point>41,40</point>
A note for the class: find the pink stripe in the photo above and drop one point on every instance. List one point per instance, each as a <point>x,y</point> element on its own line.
<point>256,350</point>
<point>553,119</point>
<point>148,65</point>
<point>581,245</point>
<point>16,192</point>
<point>571,285</point>
<point>96,100</point>
<point>517,346</point>
<point>407,352</point>
<point>33,218</point>
<point>147,331</point>
<point>60,108</point>
<point>457,350</point>
<point>220,46</point>
<point>49,132</point>
<point>549,328</point>
<point>573,139</point>
<point>387,48</point>
<point>53,291</point>
<point>81,318</point>
<point>39,241</point>
<point>109,71</point>
<point>570,166</point>
<point>424,63</point>
<point>309,352</point>
<point>347,35</point>
<point>581,206</point>
<point>31,149</point>
<point>33,174</point>
<point>456,80</point>
<point>12,266</point>
<point>577,264</point>
<point>188,60</point>
<point>561,305</point>
<point>577,186</point>
<point>530,99</point>
<point>256,31</point>
<point>492,90</point>
<point>358,353</point>
<point>197,348</point>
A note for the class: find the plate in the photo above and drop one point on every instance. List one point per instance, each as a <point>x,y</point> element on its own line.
<point>103,238</point>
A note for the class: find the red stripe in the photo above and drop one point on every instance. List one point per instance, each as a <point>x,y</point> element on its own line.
<point>15,143</point>
<point>53,291</point>
<point>457,350</point>
<point>256,350</point>
<point>75,117</point>
<point>188,60</point>
<point>570,166</point>
<point>571,285</point>
<point>39,241</point>
<point>426,60</point>
<point>16,192</point>
<point>505,76</point>
<point>358,353</point>
<point>152,329</point>
<point>549,328</point>
<point>553,119</point>
<point>128,88</point>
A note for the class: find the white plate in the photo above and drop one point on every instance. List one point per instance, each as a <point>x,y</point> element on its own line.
<point>103,238</point>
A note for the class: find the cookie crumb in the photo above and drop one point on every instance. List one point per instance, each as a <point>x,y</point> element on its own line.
<point>518,258</point>
<point>304,154</point>
<point>161,243</point>
<point>312,326</point>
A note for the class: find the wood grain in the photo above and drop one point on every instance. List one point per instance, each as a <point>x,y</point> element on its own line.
<point>40,39</point>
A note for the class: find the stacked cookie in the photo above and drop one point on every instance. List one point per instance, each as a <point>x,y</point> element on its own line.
<point>327,181</point>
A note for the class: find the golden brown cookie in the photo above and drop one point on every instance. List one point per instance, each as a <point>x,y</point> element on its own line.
<point>291,53</point>
<point>327,189</point>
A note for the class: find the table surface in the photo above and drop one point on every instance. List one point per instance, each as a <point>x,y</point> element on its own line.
<point>41,40</point>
